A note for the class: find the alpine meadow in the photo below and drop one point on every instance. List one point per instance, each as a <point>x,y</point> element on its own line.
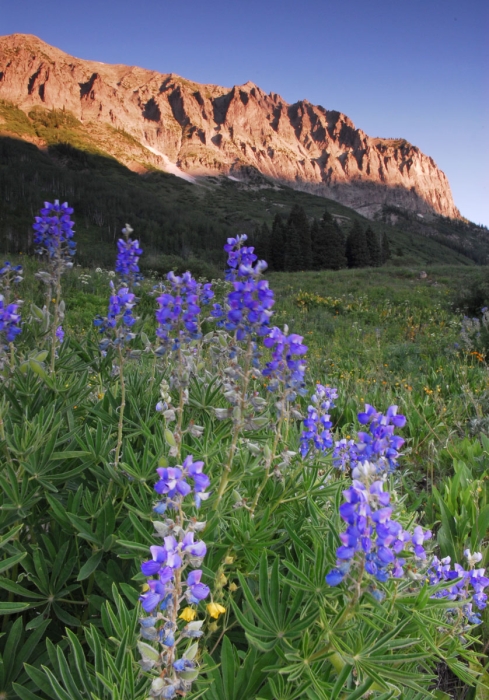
<point>244,398</point>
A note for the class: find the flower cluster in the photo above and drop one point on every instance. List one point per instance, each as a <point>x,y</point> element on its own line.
<point>318,424</point>
<point>461,584</point>
<point>10,320</point>
<point>240,258</point>
<point>287,366</point>
<point>167,586</point>
<point>127,258</point>
<point>174,486</point>
<point>372,537</point>
<point>251,299</point>
<point>119,317</point>
<point>10,274</point>
<point>379,445</point>
<point>60,334</point>
<point>53,232</point>
<point>177,315</point>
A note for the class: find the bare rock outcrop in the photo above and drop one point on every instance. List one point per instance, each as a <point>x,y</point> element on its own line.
<point>204,130</point>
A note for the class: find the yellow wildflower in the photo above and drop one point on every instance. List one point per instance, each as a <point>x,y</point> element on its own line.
<point>213,627</point>
<point>228,560</point>
<point>233,587</point>
<point>188,614</point>
<point>221,580</point>
<point>215,609</point>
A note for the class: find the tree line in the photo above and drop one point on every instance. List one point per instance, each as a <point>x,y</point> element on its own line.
<point>295,244</point>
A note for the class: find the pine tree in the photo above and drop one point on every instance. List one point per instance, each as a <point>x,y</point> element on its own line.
<point>386,251</point>
<point>293,248</point>
<point>262,242</point>
<point>356,247</point>
<point>332,248</point>
<point>316,244</point>
<point>374,248</point>
<point>276,255</point>
<point>298,221</point>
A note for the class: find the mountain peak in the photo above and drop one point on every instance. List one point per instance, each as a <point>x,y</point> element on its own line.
<point>193,129</point>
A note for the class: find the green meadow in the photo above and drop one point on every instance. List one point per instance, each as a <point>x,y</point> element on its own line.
<point>76,525</point>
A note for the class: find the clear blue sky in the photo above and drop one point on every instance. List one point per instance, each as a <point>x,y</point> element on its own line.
<point>417,69</point>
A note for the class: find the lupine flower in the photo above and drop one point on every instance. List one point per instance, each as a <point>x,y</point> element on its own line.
<point>379,445</point>
<point>286,366</point>
<point>174,485</point>
<point>196,590</point>
<point>60,334</point>
<point>128,257</point>
<point>240,258</point>
<point>53,232</point>
<point>10,320</point>
<point>177,315</point>
<point>251,300</point>
<point>461,584</point>
<point>7,270</point>
<point>120,316</point>
<point>318,424</point>
<point>371,533</point>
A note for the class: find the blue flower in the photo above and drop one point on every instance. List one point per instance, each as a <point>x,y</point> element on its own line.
<point>287,366</point>
<point>371,534</point>
<point>318,424</point>
<point>53,231</point>
<point>10,320</point>
<point>196,591</point>
<point>127,258</point>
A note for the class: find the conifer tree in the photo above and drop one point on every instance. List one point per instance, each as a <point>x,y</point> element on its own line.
<point>374,248</point>
<point>293,248</point>
<point>386,251</point>
<point>276,255</point>
<point>333,243</point>
<point>316,245</point>
<point>298,228</point>
<point>263,242</point>
<point>356,247</point>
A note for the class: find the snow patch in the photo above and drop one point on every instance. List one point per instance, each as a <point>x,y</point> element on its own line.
<point>170,167</point>
<point>234,179</point>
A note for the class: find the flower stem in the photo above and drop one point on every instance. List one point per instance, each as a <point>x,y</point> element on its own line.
<point>269,462</point>
<point>237,425</point>
<point>122,407</point>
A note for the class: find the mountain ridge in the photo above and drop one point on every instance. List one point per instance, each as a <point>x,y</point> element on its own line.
<point>199,130</point>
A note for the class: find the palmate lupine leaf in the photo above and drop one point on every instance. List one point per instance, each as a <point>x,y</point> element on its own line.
<point>278,614</point>
<point>114,672</point>
<point>233,679</point>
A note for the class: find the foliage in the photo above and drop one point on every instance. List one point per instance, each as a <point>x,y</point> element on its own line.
<point>77,517</point>
<point>357,248</point>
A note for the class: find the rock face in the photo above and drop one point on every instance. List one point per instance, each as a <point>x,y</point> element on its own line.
<point>203,130</point>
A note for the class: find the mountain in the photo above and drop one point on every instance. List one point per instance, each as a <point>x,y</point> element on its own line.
<point>149,120</point>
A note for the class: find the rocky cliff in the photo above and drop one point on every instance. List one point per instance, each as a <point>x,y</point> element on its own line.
<point>199,130</point>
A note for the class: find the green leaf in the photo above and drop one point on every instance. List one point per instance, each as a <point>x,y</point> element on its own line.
<point>11,561</point>
<point>90,565</point>
<point>12,608</point>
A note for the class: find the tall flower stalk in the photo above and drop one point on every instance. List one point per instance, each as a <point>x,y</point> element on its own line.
<point>53,236</point>
<point>10,319</point>
<point>178,326</point>
<point>169,626</point>
<point>117,325</point>
<point>247,316</point>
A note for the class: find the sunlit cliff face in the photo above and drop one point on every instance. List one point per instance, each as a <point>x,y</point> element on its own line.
<point>191,129</point>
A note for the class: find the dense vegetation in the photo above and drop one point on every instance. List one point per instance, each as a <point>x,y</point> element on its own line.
<point>77,522</point>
